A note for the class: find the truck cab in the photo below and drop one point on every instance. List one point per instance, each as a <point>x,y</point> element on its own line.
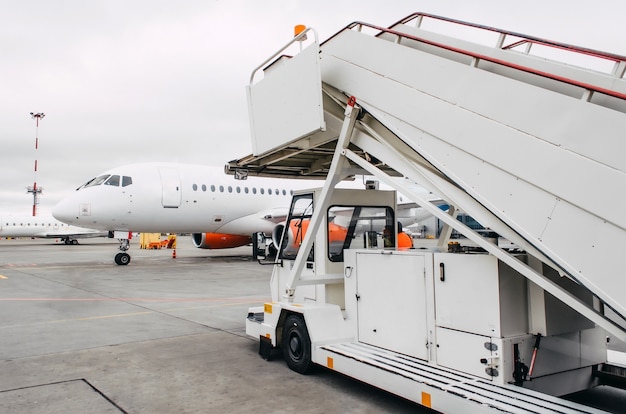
<point>459,309</point>
<point>354,219</point>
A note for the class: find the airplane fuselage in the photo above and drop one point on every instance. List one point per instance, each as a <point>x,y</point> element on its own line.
<point>41,226</point>
<point>178,198</point>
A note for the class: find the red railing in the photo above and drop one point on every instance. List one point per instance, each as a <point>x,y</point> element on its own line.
<point>525,39</point>
<point>620,61</point>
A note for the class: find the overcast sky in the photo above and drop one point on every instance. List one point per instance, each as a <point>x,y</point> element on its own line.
<point>124,81</point>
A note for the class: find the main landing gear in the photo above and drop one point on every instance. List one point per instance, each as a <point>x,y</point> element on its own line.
<point>123,258</point>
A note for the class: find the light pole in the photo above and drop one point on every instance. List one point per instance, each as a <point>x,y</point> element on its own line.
<point>34,190</point>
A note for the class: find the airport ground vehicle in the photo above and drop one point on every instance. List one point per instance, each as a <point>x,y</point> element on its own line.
<point>500,134</point>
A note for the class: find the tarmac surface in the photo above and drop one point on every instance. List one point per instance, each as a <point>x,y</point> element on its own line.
<point>161,335</point>
<point>81,334</point>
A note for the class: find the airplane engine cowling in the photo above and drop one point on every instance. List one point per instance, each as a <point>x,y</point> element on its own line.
<point>219,240</point>
<point>297,231</point>
<point>277,234</point>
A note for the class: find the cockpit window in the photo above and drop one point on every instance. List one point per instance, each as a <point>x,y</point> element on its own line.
<point>126,181</point>
<point>114,180</point>
<point>96,181</point>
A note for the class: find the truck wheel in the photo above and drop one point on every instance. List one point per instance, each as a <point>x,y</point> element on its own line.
<point>297,345</point>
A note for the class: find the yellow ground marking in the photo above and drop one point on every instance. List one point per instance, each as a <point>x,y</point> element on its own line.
<point>121,315</point>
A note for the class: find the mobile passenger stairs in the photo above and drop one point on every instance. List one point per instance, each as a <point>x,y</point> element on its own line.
<point>530,146</point>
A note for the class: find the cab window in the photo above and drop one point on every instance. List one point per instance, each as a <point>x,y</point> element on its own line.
<point>356,227</point>
<point>298,221</point>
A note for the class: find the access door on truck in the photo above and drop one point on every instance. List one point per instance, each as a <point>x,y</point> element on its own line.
<point>391,301</point>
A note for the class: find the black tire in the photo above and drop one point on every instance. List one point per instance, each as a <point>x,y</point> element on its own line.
<point>296,345</point>
<point>122,259</point>
<point>272,250</point>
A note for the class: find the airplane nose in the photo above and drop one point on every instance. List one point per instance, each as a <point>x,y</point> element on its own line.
<point>64,212</point>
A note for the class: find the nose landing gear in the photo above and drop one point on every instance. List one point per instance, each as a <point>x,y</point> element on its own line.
<point>123,258</point>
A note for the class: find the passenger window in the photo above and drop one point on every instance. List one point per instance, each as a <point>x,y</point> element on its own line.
<point>262,190</point>
<point>238,190</point>
<point>221,188</point>
<point>195,187</point>
<point>204,187</point>
<point>269,191</point>
<point>212,188</point>
<point>245,190</point>
<point>230,189</point>
<point>253,190</point>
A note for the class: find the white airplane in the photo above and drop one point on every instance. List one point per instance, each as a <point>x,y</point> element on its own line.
<point>44,226</point>
<point>218,210</point>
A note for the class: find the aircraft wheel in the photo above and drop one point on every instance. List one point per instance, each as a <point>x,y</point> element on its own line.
<point>74,241</point>
<point>122,259</point>
<point>297,345</point>
<point>272,251</point>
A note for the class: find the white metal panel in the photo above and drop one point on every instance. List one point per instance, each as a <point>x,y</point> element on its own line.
<point>468,297</point>
<point>287,103</point>
<point>550,116</point>
<point>564,352</point>
<point>400,324</point>
<point>511,125</point>
<point>491,135</point>
<point>464,352</point>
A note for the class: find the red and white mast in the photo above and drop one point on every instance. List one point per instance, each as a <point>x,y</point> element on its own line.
<point>34,190</point>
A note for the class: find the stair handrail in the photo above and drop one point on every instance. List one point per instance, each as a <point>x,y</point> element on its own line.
<point>301,37</point>
<point>524,38</point>
<point>620,60</point>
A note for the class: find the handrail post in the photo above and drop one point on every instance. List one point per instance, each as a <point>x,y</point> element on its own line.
<point>619,68</point>
<point>500,41</point>
<point>418,21</point>
<point>528,46</point>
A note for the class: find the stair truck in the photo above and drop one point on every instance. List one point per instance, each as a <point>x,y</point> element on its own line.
<point>530,146</point>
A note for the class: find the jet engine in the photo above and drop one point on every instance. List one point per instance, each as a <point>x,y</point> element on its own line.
<point>219,240</point>
<point>277,234</point>
<point>298,229</point>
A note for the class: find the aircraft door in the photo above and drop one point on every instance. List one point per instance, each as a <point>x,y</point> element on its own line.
<point>170,182</point>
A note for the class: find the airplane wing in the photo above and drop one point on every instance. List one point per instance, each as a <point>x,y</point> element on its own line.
<point>73,235</point>
<point>264,221</point>
<point>275,215</point>
<point>411,213</point>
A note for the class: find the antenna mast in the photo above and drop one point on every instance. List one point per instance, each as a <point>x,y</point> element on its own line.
<point>34,190</point>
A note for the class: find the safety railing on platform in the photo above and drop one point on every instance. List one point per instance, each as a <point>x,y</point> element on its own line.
<point>298,39</point>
